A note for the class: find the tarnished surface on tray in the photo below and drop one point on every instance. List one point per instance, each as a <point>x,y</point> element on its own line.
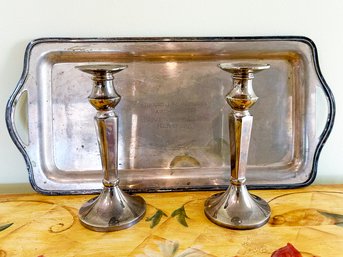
<point>173,130</point>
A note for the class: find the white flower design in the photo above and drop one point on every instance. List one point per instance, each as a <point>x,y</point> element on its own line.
<point>169,249</point>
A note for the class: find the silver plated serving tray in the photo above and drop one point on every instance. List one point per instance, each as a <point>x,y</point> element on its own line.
<point>173,131</point>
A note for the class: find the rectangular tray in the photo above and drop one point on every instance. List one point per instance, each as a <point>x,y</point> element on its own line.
<point>173,131</point>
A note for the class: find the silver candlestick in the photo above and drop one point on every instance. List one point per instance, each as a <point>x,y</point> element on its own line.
<point>113,209</point>
<point>236,208</point>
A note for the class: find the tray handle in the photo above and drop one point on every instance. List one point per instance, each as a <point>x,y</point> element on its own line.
<point>326,116</point>
<point>329,122</point>
<point>15,101</point>
<point>331,112</point>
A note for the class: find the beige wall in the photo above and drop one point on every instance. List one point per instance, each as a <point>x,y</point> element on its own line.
<point>22,21</point>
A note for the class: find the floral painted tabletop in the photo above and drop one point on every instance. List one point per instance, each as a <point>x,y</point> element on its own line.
<point>307,222</point>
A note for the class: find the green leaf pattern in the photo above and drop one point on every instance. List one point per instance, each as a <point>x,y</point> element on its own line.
<point>338,218</point>
<point>3,227</point>
<point>181,215</point>
<point>156,218</point>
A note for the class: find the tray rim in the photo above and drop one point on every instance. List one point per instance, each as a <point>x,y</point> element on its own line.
<point>9,114</point>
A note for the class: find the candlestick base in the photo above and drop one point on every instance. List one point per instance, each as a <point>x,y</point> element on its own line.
<point>237,209</point>
<point>112,210</point>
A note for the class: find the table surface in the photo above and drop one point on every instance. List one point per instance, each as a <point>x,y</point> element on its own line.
<point>311,219</point>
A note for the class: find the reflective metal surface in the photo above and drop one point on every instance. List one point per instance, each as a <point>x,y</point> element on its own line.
<point>112,209</point>
<point>236,208</point>
<point>173,131</point>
